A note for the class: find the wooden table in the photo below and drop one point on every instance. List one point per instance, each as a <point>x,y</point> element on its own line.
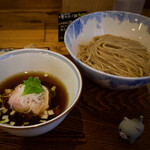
<point>93,123</point>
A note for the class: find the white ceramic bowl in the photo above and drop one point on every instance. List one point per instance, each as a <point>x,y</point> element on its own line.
<point>129,25</point>
<point>44,61</point>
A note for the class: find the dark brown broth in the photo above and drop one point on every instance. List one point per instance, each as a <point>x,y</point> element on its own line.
<point>58,103</point>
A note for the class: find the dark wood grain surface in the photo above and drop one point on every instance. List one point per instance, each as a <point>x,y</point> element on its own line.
<point>93,123</point>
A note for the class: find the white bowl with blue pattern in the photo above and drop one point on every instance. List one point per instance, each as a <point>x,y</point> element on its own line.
<point>129,25</point>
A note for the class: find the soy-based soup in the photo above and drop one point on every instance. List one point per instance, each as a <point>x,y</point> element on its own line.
<point>57,104</point>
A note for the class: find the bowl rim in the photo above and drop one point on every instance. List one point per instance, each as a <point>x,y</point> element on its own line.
<point>109,11</point>
<point>59,56</point>
<point>93,69</point>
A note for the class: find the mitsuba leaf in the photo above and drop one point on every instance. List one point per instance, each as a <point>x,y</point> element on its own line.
<point>32,85</point>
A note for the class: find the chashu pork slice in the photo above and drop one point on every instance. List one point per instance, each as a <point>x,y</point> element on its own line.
<point>35,103</point>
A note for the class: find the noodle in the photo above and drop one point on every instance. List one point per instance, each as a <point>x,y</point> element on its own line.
<point>116,55</point>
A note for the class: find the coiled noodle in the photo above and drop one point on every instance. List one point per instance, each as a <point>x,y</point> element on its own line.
<point>116,55</point>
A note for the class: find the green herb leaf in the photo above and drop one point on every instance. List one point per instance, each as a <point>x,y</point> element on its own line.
<point>32,85</point>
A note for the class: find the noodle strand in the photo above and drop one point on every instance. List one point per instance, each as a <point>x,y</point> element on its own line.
<point>116,55</point>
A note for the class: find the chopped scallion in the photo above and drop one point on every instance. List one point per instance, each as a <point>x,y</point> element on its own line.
<point>25,123</point>
<point>42,120</point>
<point>8,91</point>
<point>12,113</point>
<point>12,123</point>
<point>6,120</point>
<point>50,112</point>
<point>4,110</point>
<point>44,116</point>
<point>5,117</point>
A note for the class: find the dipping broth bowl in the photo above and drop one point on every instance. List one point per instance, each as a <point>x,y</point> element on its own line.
<point>51,63</point>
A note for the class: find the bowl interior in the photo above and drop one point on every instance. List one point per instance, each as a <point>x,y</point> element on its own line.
<point>43,61</point>
<point>124,24</point>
